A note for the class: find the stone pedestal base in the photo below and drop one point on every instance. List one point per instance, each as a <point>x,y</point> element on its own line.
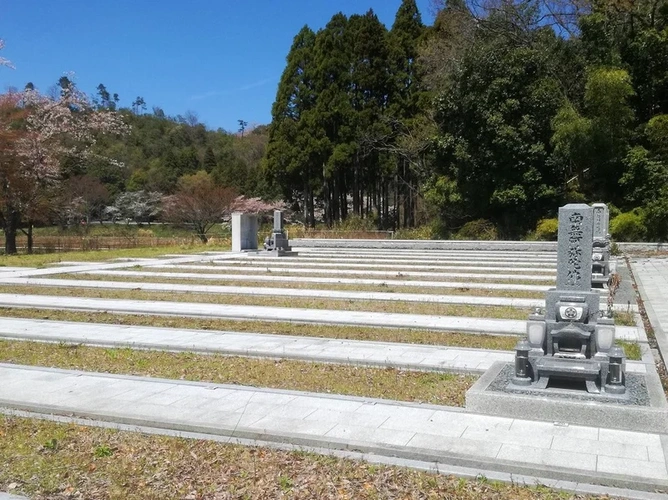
<point>642,408</point>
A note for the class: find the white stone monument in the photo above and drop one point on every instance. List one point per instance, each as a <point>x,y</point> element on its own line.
<point>244,232</point>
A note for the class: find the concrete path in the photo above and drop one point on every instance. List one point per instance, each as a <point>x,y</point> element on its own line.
<point>280,292</point>
<point>274,262</point>
<point>287,292</point>
<point>359,272</point>
<point>427,432</point>
<point>417,357</point>
<point>89,266</point>
<point>285,314</point>
<point>393,259</point>
<point>417,251</point>
<point>319,279</point>
<point>652,279</point>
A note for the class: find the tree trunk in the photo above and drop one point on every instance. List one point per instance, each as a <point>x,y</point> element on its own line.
<point>30,238</point>
<point>356,188</point>
<point>343,191</point>
<point>335,200</point>
<point>305,203</point>
<point>10,227</point>
<point>311,209</point>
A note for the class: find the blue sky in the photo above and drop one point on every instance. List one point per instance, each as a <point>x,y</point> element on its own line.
<point>221,59</point>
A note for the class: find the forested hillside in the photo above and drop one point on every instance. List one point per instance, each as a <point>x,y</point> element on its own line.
<point>494,116</point>
<point>160,149</point>
<point>479,126</point>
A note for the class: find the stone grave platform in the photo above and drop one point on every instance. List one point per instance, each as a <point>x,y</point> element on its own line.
<point>643,408</point>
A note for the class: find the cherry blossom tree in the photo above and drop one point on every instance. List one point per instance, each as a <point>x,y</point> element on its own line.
<point>137,206</point>
<point>38,133</point>
<point>256,205</point>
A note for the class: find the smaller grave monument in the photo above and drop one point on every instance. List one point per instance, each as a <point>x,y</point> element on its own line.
<point>277,244</point>
<point>571,341</point>
<point>601,252</point>
<point>244,232</point>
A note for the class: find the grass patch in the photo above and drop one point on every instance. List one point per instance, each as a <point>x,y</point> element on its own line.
<point>496,342</point>
<point>632,349</point>
<point>624,318</point>
<point>426,268</point>
<point>388,383</point>
<point>478,292</point>
<point>39,260</point>
<point>147,466</point>
<point>394,275</point>
<point>505,312</point>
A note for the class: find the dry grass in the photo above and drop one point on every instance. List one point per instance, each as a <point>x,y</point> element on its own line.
<point>49,460</point>
<point>624,318</point>
<point>398,268</point>
<point>388,383</point>
<point>504,312</point>
<point>465,290</point>
<point>39,260</point>
<point>496,342</point>
<point>395,275</point>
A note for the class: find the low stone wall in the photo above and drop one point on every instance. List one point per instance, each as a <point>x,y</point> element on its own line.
<point>643,247</point>
<point>525,246</point>
<point>531,246</point>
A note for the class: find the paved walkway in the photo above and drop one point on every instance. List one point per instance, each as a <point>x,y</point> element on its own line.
<point>22,272</point>
<point>279,292</point>
<point>652,279</point>
<point>385,354</point>
<point>319,279</point>
<point>444,434</point>
<point>286,314</point>
<point>274,262</point>
<point>421,252</point>
<point>393,259</point>
<point>359,272</point>
<point>286,292</point>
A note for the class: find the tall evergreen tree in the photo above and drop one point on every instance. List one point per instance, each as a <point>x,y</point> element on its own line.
<point>209,162</point>
<point>293,151</point>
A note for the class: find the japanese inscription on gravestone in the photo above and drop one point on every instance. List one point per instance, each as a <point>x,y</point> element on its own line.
<point>598,223</point>
<point>575,247</point>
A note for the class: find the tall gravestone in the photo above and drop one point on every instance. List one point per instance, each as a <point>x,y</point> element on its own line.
<point>278,242</point>
<point>571,341</point>
<point>601,243</point>
<point>244,232</point>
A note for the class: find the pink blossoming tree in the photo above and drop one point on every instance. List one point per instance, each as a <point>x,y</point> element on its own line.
<point>38,134</point>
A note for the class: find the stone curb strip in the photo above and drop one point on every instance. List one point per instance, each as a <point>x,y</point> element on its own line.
<point>358,272</point>
<point>411,431</point>
<point>357,352</point>
<point>283,314</point>
<point>291,292</point>
<point>324,280</point>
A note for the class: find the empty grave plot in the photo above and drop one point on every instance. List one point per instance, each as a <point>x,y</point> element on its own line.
<point>398,346</point>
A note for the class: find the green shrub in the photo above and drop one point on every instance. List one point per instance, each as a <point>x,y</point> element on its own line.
<point>628,226</point>
<point>479,229</point>
<point>425,232</point>
<point>356,223</point>
<point>656,217</point>
<point>547,229</point>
